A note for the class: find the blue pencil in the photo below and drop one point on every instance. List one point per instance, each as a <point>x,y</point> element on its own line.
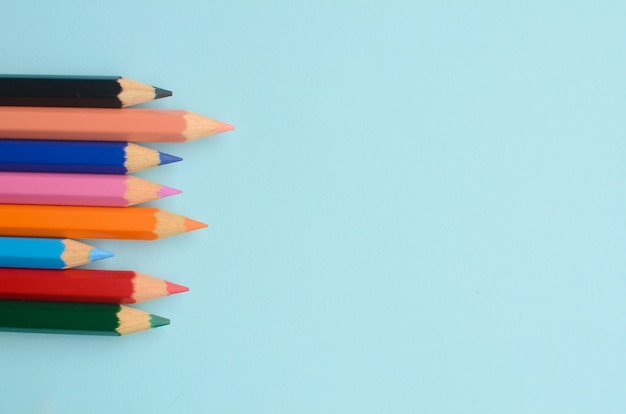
<point>92,157</point>
<point>44,253</point>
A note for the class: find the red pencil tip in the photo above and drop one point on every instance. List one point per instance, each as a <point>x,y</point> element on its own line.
<point>173,288</point>
<point>191,225</point>
<point>224,127</point>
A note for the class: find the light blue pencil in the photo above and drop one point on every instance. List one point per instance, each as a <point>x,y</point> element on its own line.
<point>45,253</point>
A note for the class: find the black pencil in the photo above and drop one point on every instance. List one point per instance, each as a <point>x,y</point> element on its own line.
<point>76,91</point>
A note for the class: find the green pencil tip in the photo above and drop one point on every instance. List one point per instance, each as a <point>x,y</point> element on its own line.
<point>156,321</point>
<point>98,254</point>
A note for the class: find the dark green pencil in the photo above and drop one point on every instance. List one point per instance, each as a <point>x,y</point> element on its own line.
<point>75,318</point>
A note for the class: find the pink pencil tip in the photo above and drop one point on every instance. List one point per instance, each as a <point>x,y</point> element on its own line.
<point>168,191</point>
<point>173,288</point>
<point>224,127</point>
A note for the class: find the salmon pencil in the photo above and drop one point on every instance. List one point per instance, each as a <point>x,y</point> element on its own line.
<point>104,124</point>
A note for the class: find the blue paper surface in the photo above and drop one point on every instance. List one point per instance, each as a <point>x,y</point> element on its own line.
<point>422,208</point>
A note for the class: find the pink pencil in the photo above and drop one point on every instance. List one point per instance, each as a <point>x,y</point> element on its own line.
<point>105,190</point>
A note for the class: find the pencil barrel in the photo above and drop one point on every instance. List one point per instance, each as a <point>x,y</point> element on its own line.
<point>86,157</point>
<point>75,91</point>
<point>59,317</point>
<point>75,318</point>
<point>47,253</point>
<point>83,285</point>
<point>60,91</point>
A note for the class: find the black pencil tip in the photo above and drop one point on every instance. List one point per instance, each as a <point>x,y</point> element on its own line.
<point>161,93</point>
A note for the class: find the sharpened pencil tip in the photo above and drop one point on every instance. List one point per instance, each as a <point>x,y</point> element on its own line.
<point>98,254</point>
<point>168,191</point>
<point>156,321</point>
<point>191,225</point>
<point>167,158</point>
<point>224,127</point>
<point>161,93</point>
<point>173,288</point>
<point>199,126</point>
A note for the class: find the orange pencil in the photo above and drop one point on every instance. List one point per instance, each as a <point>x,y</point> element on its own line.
<point>133,223</point>
<point>106,124</point>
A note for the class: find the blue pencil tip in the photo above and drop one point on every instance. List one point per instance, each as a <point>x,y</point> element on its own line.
<point>98,254</point>
<point>167,158</point>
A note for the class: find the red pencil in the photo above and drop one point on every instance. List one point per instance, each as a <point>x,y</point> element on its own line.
<point>83,285</point>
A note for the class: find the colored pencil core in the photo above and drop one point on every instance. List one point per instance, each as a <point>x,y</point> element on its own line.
<point>224,127</point>
<point>167,158</point>
<point>173,288</point>
<point>194,225</point>
<point>156,321</point>
<point>161,93</point>
<point>99,254</point>
<point>168,191</point>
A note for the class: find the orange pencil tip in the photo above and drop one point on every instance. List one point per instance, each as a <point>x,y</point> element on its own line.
<point>173,288</point>
<point>224,127</point>
<point>191,225</point>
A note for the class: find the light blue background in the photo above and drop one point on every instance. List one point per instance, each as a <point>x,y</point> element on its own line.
<point>422,209</point>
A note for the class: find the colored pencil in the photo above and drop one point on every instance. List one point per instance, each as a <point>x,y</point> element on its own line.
<point>81,91</point>
<point>83,285</point>
<point>101,124</point>
<point>94,157</point>
<point>75,318</point>
<point>44,253</point>
<point>79,189</point>
<point>134,223</point>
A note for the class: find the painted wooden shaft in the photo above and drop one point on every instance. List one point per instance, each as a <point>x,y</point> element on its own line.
<point>83,285</point>
<point>95,157</point>
<point>103,124</point>
<point>75,318</point>
<point>79,189</point>
<point>135,223</point>
<point>47,253</point>
<point>76,91</point>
